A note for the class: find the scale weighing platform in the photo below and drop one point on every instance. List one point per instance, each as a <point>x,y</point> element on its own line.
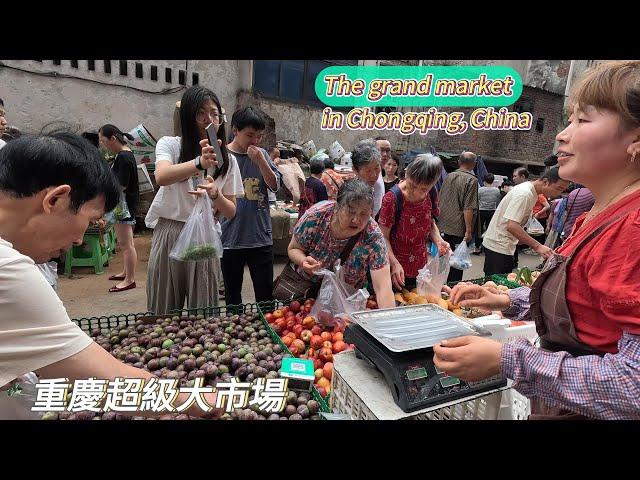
<point>399,343</point>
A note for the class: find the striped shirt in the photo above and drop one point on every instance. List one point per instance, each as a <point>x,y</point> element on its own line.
<point>459,192</point>
<point>579,201</point>
<point>606,388</point>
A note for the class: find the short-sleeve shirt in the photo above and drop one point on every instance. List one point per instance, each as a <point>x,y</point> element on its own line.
<point>314,192</point>
<point>35,330</point>
<point>332,181</point>
<point>603,286</point>
<point>312,232</point>
<point>459,192</point>
<point>173,202</point>
<point>409,238</point>
<point>125,169</point>
<point>540,205</point>
<point>251,226</point>
<point>489,198</point>
<point>579,201</point>
<point>516,206</point>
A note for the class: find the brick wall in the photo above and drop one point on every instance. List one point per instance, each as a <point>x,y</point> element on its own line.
<point>526,147</point>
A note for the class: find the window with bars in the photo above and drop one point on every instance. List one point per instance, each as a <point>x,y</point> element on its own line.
<point>291,80</point>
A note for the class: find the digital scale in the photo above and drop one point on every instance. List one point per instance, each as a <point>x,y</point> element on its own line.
<point>399,343</point>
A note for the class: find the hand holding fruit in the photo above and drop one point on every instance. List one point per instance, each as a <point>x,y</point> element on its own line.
<point>443,248</point>
<point>255,154</point>
<point>468,358</point>
<point>476,296</point>
<point>397,274</point>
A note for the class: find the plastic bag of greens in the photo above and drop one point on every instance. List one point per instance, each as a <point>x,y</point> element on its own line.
<point>461,259</point>
<point>199,239</point>
<point>337,298</point>
<point>121,211</point>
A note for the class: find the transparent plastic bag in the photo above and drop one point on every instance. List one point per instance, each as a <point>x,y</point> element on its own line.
<point>337,298</point>
<point>534,227</point>
<point>50,272</point>
<point>461,258</point>
<point>199,238</point>
<point>433,275</point>
<point>18,397</point>
<point>122,209</point>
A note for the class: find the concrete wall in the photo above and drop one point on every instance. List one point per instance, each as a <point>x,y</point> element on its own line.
<point>93,98</point>
<point>524,147</point>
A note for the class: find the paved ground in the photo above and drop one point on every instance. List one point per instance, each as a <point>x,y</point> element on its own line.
<point>86,294</point>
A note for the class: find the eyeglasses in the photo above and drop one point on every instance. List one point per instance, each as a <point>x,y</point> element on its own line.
<point>217,117</point>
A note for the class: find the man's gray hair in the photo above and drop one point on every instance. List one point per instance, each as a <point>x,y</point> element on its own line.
<point>424,169</point>
<point>467,157</point>
<point>364,153</point>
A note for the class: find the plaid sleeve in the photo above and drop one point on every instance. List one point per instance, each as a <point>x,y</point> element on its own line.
<point>606,388</point>
<point>519,309</point>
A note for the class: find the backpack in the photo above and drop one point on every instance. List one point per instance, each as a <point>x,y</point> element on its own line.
<point>433,195</point>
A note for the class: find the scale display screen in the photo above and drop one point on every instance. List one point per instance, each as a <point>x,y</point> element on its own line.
<point>449,381</point>
<point>417,373</point>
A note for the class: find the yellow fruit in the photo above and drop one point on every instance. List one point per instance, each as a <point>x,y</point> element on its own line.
<point>490,284</point>
<point>421,300</point>
<point>398,297</point>
<point>451,306</point>
<point>432,298</point>
<point>415,290</point>
<point>458,312</point>
<point>410,297</point>
<point>503,288</point>
<point>443,303</point>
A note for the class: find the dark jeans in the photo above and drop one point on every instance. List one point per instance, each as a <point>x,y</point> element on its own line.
<point>260,260</point>
<point>497,263</point>
<point>455,275</point>
<point>485,219</point>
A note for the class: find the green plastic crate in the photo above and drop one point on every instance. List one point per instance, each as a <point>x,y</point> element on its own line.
<point>324,405</point>
<point>498,279</point>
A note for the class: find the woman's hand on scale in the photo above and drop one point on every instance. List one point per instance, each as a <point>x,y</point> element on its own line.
<point>475,296</point>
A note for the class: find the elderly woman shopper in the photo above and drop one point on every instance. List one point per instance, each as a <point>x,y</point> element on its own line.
<point>586,302</point>
<point>344,230</point>
<point>365,159</point>
<point>407,220</point>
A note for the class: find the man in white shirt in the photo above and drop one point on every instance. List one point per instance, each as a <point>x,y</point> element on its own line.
<point>514,211</point>
<point>51,188</point>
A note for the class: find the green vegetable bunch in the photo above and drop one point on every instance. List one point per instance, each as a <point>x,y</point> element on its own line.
<point>198,252</point>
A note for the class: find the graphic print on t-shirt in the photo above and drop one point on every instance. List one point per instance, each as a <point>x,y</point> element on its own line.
<point>252,191</point>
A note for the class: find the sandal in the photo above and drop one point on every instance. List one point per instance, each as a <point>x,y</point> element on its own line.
<point>117,277</point>
<point>128,287</point>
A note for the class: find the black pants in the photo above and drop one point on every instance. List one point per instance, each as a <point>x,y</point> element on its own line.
<point>485,219</point>
<point>497,263</point>
<point>455,275</point>
<point>260,260</point>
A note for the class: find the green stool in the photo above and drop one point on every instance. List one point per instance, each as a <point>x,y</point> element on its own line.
<point>96,254</point>
<point>110,235</point>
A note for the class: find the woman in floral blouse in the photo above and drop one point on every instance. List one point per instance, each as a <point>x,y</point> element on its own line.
<point>329,228</point>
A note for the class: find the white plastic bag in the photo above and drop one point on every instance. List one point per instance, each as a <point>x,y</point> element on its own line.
<point>199,238</point>
<point>534,227</point>
<point>337,298</point>
<point>433,275</point>
<point>18,398</point>
<point>461,259</point>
